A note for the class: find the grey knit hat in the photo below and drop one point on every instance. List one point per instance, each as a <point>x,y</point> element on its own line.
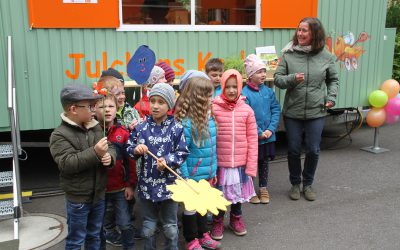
<point>165,91</point>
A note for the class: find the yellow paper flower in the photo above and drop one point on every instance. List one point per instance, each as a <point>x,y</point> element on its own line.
<point>202,199</point>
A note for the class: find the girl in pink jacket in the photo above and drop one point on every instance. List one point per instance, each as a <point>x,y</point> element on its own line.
<point>237,150</point>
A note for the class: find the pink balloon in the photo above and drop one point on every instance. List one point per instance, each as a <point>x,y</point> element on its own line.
<point>393,106</point>
<point>391,119</point>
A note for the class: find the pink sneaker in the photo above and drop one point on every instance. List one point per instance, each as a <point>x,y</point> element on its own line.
<point>217,232</point>
<point>194,245</point>
<point>237,225</point>
<point>209,243</point>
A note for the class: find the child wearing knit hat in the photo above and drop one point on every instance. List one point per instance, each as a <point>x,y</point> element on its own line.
<point>162,135</point>
<point>157,75</point>
<point>169,72</point>
<point>267,111</point>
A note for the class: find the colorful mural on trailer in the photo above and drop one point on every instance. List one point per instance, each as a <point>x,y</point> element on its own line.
<point>347,49</point>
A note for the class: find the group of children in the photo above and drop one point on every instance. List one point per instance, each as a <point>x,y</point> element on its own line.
<point>214,129</point>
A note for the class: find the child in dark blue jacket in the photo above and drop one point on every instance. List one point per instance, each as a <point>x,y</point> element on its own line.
<point>267,111</point>
<point>164,137</point>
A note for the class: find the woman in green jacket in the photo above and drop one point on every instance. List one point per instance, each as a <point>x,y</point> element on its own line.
<point>307,71</point>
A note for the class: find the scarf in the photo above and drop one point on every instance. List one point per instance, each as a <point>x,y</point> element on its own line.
<point>291,48</point>
<point>252,86</point>
<point>230,103</point>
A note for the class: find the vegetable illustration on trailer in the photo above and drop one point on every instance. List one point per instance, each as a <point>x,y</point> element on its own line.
<point>347,49</point>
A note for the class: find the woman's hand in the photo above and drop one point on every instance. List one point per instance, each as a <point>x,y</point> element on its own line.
<point>299,77</point>
<point>329,104</point>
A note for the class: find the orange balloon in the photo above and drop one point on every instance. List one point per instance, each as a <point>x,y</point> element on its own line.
<point>391,87</point>
<point>376,117</point>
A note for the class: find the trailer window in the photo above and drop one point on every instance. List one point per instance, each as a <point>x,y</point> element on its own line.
<point>189,15</point>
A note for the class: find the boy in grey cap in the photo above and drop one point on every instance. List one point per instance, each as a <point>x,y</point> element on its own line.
<point>82,155</point>
<point>164,137</point>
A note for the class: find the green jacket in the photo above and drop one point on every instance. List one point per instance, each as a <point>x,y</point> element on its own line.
<point>82,175</point>
<point>306,100</point>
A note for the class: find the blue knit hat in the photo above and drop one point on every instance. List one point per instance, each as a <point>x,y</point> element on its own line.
<point>190,74</point>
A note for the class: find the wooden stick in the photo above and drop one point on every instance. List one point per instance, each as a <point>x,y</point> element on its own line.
<point>173,172</point>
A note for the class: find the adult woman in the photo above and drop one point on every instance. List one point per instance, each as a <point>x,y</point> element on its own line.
<point>307,72</point>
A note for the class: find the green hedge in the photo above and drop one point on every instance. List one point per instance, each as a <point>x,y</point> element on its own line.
<point>393,21</point>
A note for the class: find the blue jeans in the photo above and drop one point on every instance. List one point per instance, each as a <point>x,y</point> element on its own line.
<point>294,131</point>
<point>168,210</point>
<point>84,224</point>
<point>118,213</point>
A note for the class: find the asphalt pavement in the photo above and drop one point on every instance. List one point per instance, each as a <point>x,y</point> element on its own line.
<point>357,206</point>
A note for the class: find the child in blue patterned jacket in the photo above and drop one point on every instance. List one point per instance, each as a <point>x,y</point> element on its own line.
<point>164,137</point>
<point>194,110</point>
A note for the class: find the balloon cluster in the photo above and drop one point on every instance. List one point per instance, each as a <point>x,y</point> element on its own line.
<point>385,104</point>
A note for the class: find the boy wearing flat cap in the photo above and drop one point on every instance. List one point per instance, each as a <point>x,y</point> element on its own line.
<point>82,155</point>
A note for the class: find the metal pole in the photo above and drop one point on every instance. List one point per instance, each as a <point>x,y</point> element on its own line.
<point>375,148</point>
<point>16,176</point>
<point>376,139</point>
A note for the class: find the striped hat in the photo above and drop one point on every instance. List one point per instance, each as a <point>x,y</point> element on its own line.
<point>169,72</point>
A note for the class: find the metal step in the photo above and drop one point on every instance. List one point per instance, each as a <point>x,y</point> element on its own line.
<point>6,179</point>
<point>6,208</point>
<point>6,151</point>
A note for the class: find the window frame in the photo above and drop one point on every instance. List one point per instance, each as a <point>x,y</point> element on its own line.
<point>192,26</point>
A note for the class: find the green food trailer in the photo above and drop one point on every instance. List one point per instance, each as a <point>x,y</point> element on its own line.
<point>56,42</point>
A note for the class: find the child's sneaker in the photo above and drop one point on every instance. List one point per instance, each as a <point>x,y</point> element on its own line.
<point>237,225</point>
<point>255,200</point>
<point>194,245</point>
<point>114,238</point>
<point>264,195</point>
<point>217,232</point>
<point>209,243</point>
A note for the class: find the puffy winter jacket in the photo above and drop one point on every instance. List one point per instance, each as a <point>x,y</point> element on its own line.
<point>266,109</point>
<point>306,100</point>
<point>82,175</point>
<point>237,139</point>
<point>123,174</point>
<point>202,160</point>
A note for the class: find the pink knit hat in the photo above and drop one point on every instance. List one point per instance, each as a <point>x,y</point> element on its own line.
<point>252,64</point>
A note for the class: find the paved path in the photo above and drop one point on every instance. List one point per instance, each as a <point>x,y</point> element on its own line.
<point>358,203</point>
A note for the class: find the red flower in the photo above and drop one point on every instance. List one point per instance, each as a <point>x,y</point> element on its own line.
<point>98,89</point>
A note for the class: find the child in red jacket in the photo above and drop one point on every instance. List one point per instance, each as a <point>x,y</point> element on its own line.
<point>121,178</point>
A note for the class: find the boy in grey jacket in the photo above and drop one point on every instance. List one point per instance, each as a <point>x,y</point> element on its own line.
<point>82,155</point>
